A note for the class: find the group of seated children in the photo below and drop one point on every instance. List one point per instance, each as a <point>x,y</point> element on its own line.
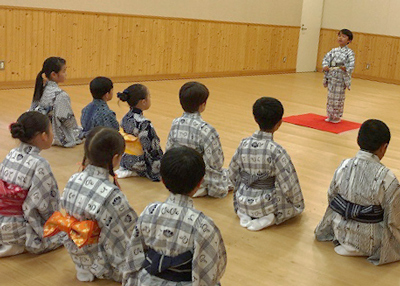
<point>172,243</point>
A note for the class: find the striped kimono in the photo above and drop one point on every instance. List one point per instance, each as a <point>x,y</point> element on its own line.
<point>364,181</point>
<point>337,80</point>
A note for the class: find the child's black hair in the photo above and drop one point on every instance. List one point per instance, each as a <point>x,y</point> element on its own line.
<point>133,94</point>
<point>372,135</point>
<point>52,64</point>
<point>193,94</point>
<point>101,145</point>
<point>182,169</point>
<point>99,86</point>
<point>28,125</point>
<point>347,32</point>
<point>267,111</point>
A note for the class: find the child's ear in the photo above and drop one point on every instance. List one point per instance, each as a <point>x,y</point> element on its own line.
<point>53,75</point>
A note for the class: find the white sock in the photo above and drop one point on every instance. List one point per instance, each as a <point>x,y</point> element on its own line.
<point>262,222</point>
<point>124,173</point>
<point>347,251</point>
<point>83,275</point>
<point>11,249</point>
<point>244,218</point>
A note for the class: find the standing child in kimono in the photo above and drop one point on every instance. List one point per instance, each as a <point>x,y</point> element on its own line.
<point>192,131</point>
<point>173,243</point>
<point>51,100</point>
<point>28,190</point>
<point>97,113</point>
<point>146,164</point>
<point>338,64</point>
<point>267,190</point>
<point>363,216</point>
<point>99,219</point>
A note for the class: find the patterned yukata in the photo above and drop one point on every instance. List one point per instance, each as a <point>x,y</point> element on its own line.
<point>24,167</point>
<point>265,179</point>
<point>172,228</point>
<point>89,195</point>
<point>337,80</point>
<point>363,180</point>
<point>57,105</point>
<point>148,164</point>
<point>97,113</point>
<point>192,131</point>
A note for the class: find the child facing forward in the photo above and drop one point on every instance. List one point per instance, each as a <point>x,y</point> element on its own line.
<point>267,190</point>
<point>51,100</point>
<point>173,243</point>
<point>97,113</point>
<point>192,131</point>
<point>89,198</point>
<point>28,190</point>
<point>338,64</point>
<point>363,216</point>
<point>134,123</point>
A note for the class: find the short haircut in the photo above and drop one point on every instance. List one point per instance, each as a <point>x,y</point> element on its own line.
<point>182,169</point>
<point>372,135</point>
<point>193,94</point>
<point>267,111</point>
<point>99,86</point>
<point>346,32</point>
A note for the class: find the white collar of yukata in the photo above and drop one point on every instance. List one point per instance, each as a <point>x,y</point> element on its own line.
<point>28,148</point>
<point>363,154</point>
<point>181,200</point>
<point>97,172</point>
<point>192,114</point>
<point>263,135</point>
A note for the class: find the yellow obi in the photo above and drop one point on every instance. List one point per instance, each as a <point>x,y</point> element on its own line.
<point>132,144</point>
<point>80,232</point>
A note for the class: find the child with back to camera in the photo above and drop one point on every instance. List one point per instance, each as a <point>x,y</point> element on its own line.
<point>134,123</point>
<point>96,207</point>
<point>338,65</point>
<point>97,113</point>
<point>28,190</point>
<point>173,243</point>
<point>51,100</point>
<point>363,215</point>
<point>267,189</point>
<point>192,131</point>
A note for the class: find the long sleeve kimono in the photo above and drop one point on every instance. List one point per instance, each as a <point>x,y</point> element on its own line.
<point>363,180</point>
<point>24,167</point>
<point>57,105</point>
<point>89,195</point>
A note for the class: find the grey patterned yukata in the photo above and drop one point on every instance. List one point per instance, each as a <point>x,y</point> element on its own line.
<point>172,228</point>
<point>192,131</point>
<point>97,113</point>
<point>265,179</point>
<point>89,195</point>
<point>363,180</point>
<point>57,105</point>
<point>337,80</point>
<point>24,167</point>
<point>148,164</point>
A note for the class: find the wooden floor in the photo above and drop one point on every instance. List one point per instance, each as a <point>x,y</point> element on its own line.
<point>280,255</point>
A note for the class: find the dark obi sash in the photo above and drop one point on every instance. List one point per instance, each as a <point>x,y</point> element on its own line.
<point>11,199</point>
<point>177,268</point>
<point>348,210</point>
<point>263,181</point>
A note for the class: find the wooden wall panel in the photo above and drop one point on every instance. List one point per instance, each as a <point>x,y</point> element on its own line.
<point>379,52</point>
<point>126,47</point>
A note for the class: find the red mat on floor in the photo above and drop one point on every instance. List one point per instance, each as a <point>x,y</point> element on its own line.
<point>318,122</point>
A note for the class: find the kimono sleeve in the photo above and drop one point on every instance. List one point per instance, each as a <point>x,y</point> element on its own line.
<point>150,141</point>
<point>117,220</point>
<point>43,197</point>
<point>213,154</point>
<point>234,168</point>
<point>391,204</point>
<point>327,59</point>
<point>350,63</point>
<point>63,111</point>
<point>287,183</point>
<point>209,257</point>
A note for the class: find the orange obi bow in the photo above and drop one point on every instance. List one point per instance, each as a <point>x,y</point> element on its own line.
<point>132,144</point>
<point>81,232</point>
